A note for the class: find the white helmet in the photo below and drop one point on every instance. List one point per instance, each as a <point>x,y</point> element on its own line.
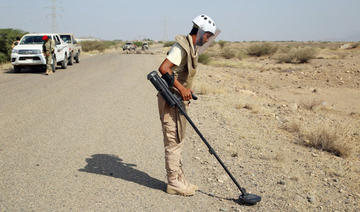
<point>205,23</point>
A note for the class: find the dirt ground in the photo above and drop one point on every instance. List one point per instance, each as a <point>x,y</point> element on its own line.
<point>254,111</point>
<point>73,140</point>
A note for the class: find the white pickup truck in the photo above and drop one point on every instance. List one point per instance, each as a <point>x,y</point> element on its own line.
<point>74,47</point>
<point>29,52</point>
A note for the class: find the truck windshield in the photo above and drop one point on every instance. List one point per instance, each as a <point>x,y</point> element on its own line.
<point>34,39</point>
<point>66,38</point>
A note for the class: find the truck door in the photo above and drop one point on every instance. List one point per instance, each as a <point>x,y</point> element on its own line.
<point>60,49</point>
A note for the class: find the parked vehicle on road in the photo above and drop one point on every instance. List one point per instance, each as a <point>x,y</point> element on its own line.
<point>29,52</point>
<point>74,47</point>
<point>129,47</point>
<point>145,46</point>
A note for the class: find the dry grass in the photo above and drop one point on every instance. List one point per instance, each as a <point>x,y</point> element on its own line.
<point>291,127</point>
<point>296,55</point>
<point>247,106</point>
<point>261,49</point>
<point>311,105</point>
<point>204,58</point>
<point>228,53</point>
<point>335,140</point>
<point>326,140</point>
<point>206,89</point>
<point>221,43</point>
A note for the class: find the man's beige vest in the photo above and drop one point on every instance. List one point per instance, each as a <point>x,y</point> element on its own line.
<point>185,75</point>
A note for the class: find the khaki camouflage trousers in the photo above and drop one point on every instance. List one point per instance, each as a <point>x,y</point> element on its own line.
<point>173,126</point>
<point>48,63</point>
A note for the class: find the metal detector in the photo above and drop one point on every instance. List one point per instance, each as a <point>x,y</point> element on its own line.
<point>173,100</point>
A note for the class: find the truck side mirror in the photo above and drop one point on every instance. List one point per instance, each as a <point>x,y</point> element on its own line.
<point>75,42</point>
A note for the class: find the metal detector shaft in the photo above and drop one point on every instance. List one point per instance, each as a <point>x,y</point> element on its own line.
<point>211,150</point>
<point>173,100</point>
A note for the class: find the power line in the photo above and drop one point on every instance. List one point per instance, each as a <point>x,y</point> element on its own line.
<point>53,16</point>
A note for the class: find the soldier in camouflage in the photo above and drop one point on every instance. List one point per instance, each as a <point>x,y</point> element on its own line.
<point>48,51</point>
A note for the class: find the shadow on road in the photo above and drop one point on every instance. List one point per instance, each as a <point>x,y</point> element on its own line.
<point>113,166</point>
<point>27,70</point>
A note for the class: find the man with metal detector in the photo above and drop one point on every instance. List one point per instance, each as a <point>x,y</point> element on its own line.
<point>173,98</point>
<point>178,70</point>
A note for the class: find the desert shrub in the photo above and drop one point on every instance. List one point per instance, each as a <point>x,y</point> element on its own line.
<point>297,55</point>
<point>221,43</point>
<point>169,43</point>
<point>325,140</point>
<point>312,104</point>
<point>261,49</point>
<point>291,127</point>
<point>99,45</point>
<point>241,54</point>
<point>138,43</point>
<point>204,58</point>
<point>228,53</point>
<point>3,58</point>
<point>93,45</point>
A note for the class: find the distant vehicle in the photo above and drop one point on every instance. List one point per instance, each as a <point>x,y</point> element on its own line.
<point>29,52</point>
<point>129,46</point>
<point>74,47</point>
<point>145,46</point>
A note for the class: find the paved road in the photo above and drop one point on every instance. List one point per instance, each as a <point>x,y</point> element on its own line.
<point>86,139</point>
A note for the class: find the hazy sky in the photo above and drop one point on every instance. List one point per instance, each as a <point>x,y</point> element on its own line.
<point>163,19</point>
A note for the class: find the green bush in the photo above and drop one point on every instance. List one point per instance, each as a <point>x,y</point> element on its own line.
<point>169,43</point>
<point>204,58</point>
<point>228,53</point>
<point>297,55</point>
<point>138,43</point>
<point>7,37</point>
<point>3,58</point>
<point>261,49</point>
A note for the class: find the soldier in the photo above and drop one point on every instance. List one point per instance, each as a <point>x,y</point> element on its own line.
<point>178,70</point>
<point>16,42</point>
<point>48,51</point>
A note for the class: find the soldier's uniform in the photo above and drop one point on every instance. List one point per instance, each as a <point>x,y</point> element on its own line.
<point>183,56</point>
<point>48,49</point>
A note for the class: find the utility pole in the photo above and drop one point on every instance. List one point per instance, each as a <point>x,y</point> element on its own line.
<point>53,16</point>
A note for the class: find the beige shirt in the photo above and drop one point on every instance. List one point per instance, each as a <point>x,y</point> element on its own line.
<point>177,55</point>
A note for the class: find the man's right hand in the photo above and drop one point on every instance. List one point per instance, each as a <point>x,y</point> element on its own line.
<point>186,94</point>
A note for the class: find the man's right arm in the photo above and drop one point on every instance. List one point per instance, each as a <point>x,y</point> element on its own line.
<point>164,68</point>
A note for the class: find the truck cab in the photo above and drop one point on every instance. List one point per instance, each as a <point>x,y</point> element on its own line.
<point>74,47</point>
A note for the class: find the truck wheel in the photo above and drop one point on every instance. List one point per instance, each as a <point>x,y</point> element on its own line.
<point>17,69</point>
<point>64,62</point>
<point>77,58</point>
<point>71,60</point>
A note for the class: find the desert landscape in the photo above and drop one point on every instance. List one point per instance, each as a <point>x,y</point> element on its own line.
<point>290,129</point>
<point>283,116</point>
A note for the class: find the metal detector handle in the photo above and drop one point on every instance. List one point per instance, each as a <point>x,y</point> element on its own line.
<point>193,96</point>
